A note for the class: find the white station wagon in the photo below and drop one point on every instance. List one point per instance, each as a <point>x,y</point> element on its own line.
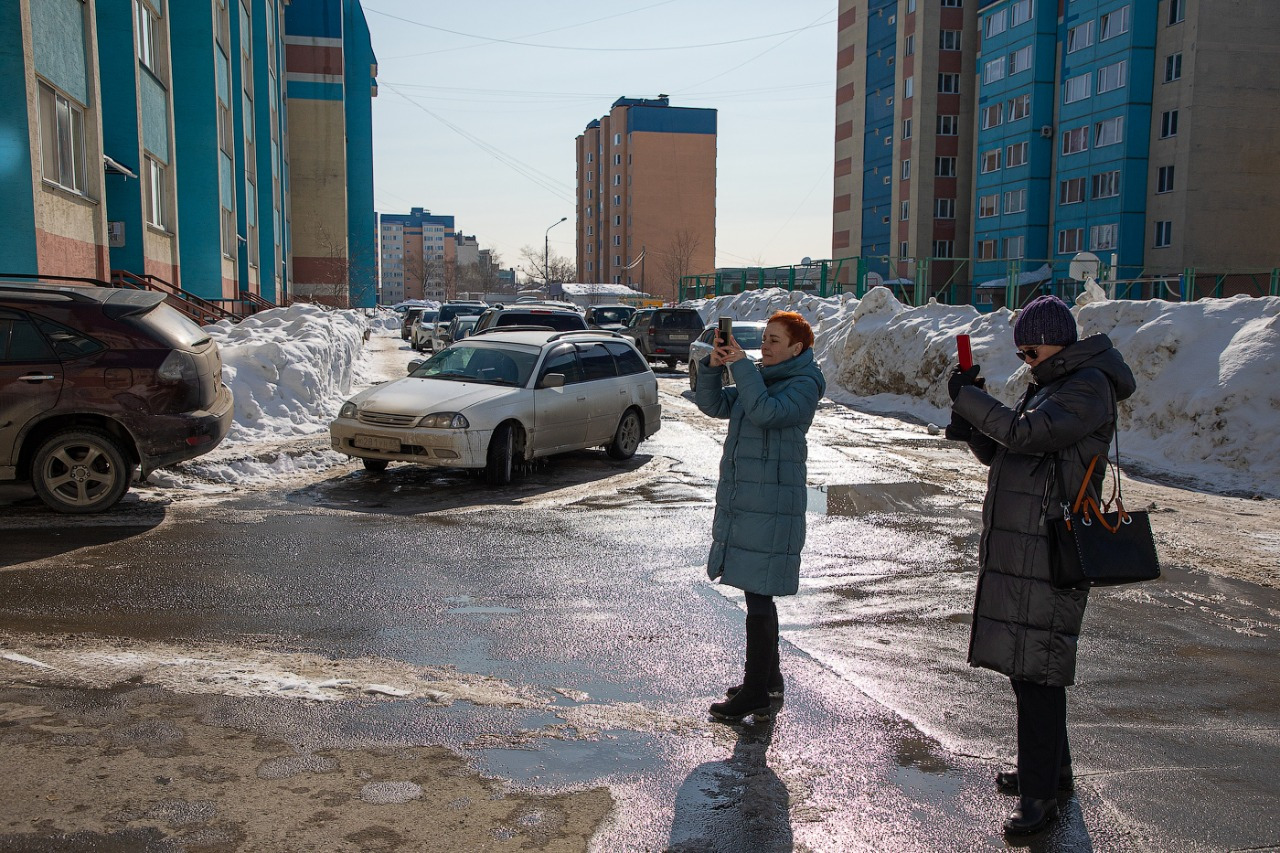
<point>502,397</point>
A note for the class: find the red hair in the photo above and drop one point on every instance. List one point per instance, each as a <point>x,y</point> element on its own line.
<point>798,328</point>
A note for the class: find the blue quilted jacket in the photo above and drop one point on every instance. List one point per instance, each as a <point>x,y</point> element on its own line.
<point>759,523</point>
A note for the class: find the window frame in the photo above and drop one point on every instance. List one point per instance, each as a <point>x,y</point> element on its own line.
<point>1085,38</point>
<point>1014,201</point>
<point>1104,184</point>
<point>62,146</point>
<point>1165,177</point>
<point>1104,23</point>
<point>1072,191</point>
<point>1168,124</point>
<point>1163,236</point>
<point>1022,102</point>
<point>1112,77</point>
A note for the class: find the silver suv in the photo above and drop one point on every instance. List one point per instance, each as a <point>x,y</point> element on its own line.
<point>441,333</point>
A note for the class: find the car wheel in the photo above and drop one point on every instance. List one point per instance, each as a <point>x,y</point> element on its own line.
<point>693,377</point>
<point>501,456</point>
<point>671,365</point>
<point>80,470</point>
<point>377,466</point>
<point>627,436</point>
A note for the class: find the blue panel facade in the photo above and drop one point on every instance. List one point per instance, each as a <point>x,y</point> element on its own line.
<point>362,225</point>
<point>879,132</point>
<point>17,225</point>
<point>119,74</point>
<point>671,119</point>
<point>315,18</point>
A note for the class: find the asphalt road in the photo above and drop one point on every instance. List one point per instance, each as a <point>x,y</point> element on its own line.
<point>413,661</point>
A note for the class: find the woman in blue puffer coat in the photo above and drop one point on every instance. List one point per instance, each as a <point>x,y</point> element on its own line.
<point>759,525</point>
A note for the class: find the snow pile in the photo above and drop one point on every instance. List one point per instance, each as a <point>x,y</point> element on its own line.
<point>289,368</point>
<point>1208,400</point>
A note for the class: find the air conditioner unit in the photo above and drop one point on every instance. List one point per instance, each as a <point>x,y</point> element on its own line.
<point>1046,131</point>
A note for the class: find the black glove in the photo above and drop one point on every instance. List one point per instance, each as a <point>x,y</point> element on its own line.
<point>960,378</point>
<point>959,429</point>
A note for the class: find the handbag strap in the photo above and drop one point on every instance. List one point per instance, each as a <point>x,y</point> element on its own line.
<point>1084,501</point>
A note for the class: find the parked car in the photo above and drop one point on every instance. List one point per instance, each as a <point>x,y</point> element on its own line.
<point>748,333</point>
<point>498,399</point>
<point>530,314</point>
<point>97,381</point>
<point>462,326</point>
<point>665,333</point>
<point>611,317</point>
<point>441,337</point>
<point>407,318</point>
<point>420,333</point>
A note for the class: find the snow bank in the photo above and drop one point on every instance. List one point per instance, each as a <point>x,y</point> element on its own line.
<point>1208,400</point>
<point>289,368</point>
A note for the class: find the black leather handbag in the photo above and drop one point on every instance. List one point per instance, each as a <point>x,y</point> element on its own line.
<point>1094,545</point>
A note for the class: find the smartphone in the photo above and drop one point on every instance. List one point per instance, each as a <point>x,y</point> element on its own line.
<point>726,329</point>
<point>965,351</point>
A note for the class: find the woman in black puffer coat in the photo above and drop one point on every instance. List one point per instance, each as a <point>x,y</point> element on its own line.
<point>1023,626</point>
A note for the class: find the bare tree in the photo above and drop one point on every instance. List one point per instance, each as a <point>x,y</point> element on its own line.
<point>675,260</point>
<point>558,267</point>
<point>338,269</point>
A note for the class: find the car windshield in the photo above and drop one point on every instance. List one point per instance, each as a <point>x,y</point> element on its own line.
<point>492,363</point>
<point>612,315</point>
<point>468,322</point>
<point>427,317</point>
<point>448,312</point>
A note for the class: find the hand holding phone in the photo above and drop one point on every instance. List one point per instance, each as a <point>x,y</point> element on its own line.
<point>964,351</point>
<point>726,330</point>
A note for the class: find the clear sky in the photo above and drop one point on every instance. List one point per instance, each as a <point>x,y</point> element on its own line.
<point>479,105</point>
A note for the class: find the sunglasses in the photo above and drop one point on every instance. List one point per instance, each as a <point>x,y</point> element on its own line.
<point>1029,354</point>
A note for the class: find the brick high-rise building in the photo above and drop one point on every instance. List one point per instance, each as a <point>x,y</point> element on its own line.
<point>646,204</point>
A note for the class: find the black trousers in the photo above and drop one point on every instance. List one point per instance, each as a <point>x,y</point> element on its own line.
<point>1042,738</point>
<point>760,605</point>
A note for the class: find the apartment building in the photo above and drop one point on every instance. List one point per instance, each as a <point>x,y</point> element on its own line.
<point>419,256</point>
<point>646,195</point>
<point>904,134</point>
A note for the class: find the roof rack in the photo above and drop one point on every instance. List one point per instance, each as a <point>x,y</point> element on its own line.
<point>566,334</point>
<point>511,329</point>
<point>46,284</point>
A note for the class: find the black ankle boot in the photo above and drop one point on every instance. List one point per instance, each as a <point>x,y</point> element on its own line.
<point>1031,816</point>
<point>753,698</point>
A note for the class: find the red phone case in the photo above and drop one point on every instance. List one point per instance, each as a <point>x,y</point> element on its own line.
<point>965,351</point>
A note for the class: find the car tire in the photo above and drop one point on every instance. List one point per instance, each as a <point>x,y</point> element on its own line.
<point>693,377</point>
<point>501,456</point>
<point>377,466</point>
<point>626,438</point>
<point>80,471</point>
<point>671,365</point>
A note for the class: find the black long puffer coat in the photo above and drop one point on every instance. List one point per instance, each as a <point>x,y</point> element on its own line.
<point>1022,625</point>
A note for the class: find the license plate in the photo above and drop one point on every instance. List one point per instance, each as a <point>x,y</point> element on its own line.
<point>375,442</point>
<point>679,337</point>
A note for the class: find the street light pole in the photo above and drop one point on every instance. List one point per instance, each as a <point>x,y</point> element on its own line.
<point>546,250</point>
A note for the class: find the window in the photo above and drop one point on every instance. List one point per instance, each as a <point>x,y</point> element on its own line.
<point>948,125</point>
<point>1108,131</point>
<point>1015,201</point>
<point>909,45</point>
<point>617,200</point>
<point>1075,140</point>
<point>1015,247</point>
<point>1080,37</point>
<point>617,239</point>
<point>617,220</point>
<point>1112,24</point>
<point>1020,60</point>
<point>944,208</point>
<point>591,156</point>
<point>996,23</point>
<point>986,250</point>
<point>1071,191</point>
<point>993,70</point>
<point>904,211</point>
<point>988,205</point>
<point>1168,124</point>
<point>1070,240</point>
<point>617,179</point>
<point>145,27</point>
<point>1016,154</point>
<point>617,139</point>
<point>911,6</point>
<point>992,116</point>
<point>1103,236</point>
<point>944,167</point>
<point>1164,180</point>
<point>1019,107</point>
<point>906,170</point>
<point>949,39</point>
<point>617,260</point>
<point>1164,233</point>
<point>1177,11</point>
<point>1075,88</point>
<point>948,84</point>
<point>157,193</point>
<point>617,159</point>
<point>1019,12</point>
<point>944,248</point>
<point>990,161</point>
<point>61,140</point>
<point>903,249</point>
<point>1113,76</point>
<point>888,140</point>
<point>1173,67</point>
<point>908,87</point>
<point>1106,184</point>
<point>951,4</point>
<point>906,128</point>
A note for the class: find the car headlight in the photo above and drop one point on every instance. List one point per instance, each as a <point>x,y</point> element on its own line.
<point>348,410</point>
<point>444,420</point>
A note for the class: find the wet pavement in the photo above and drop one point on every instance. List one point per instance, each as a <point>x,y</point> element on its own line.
<point>560,638</point>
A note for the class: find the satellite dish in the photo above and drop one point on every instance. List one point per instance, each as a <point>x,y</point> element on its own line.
<point>874,279</point>
<point>1084,266</point>
<point>806,260</point>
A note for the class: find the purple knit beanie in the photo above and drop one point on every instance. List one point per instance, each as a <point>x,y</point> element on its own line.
<point>1045,320</point>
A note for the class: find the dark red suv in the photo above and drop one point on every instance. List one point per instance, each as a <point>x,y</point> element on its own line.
<point>97,381</point>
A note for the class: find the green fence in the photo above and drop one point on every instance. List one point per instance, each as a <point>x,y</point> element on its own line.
<point>983,283</point>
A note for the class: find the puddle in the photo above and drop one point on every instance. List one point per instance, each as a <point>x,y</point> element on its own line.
<point>560,763</point>
<point>870,498</point>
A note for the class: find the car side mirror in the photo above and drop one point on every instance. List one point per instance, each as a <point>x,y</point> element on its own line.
<point>415,364</point>
<point>552,380</point>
